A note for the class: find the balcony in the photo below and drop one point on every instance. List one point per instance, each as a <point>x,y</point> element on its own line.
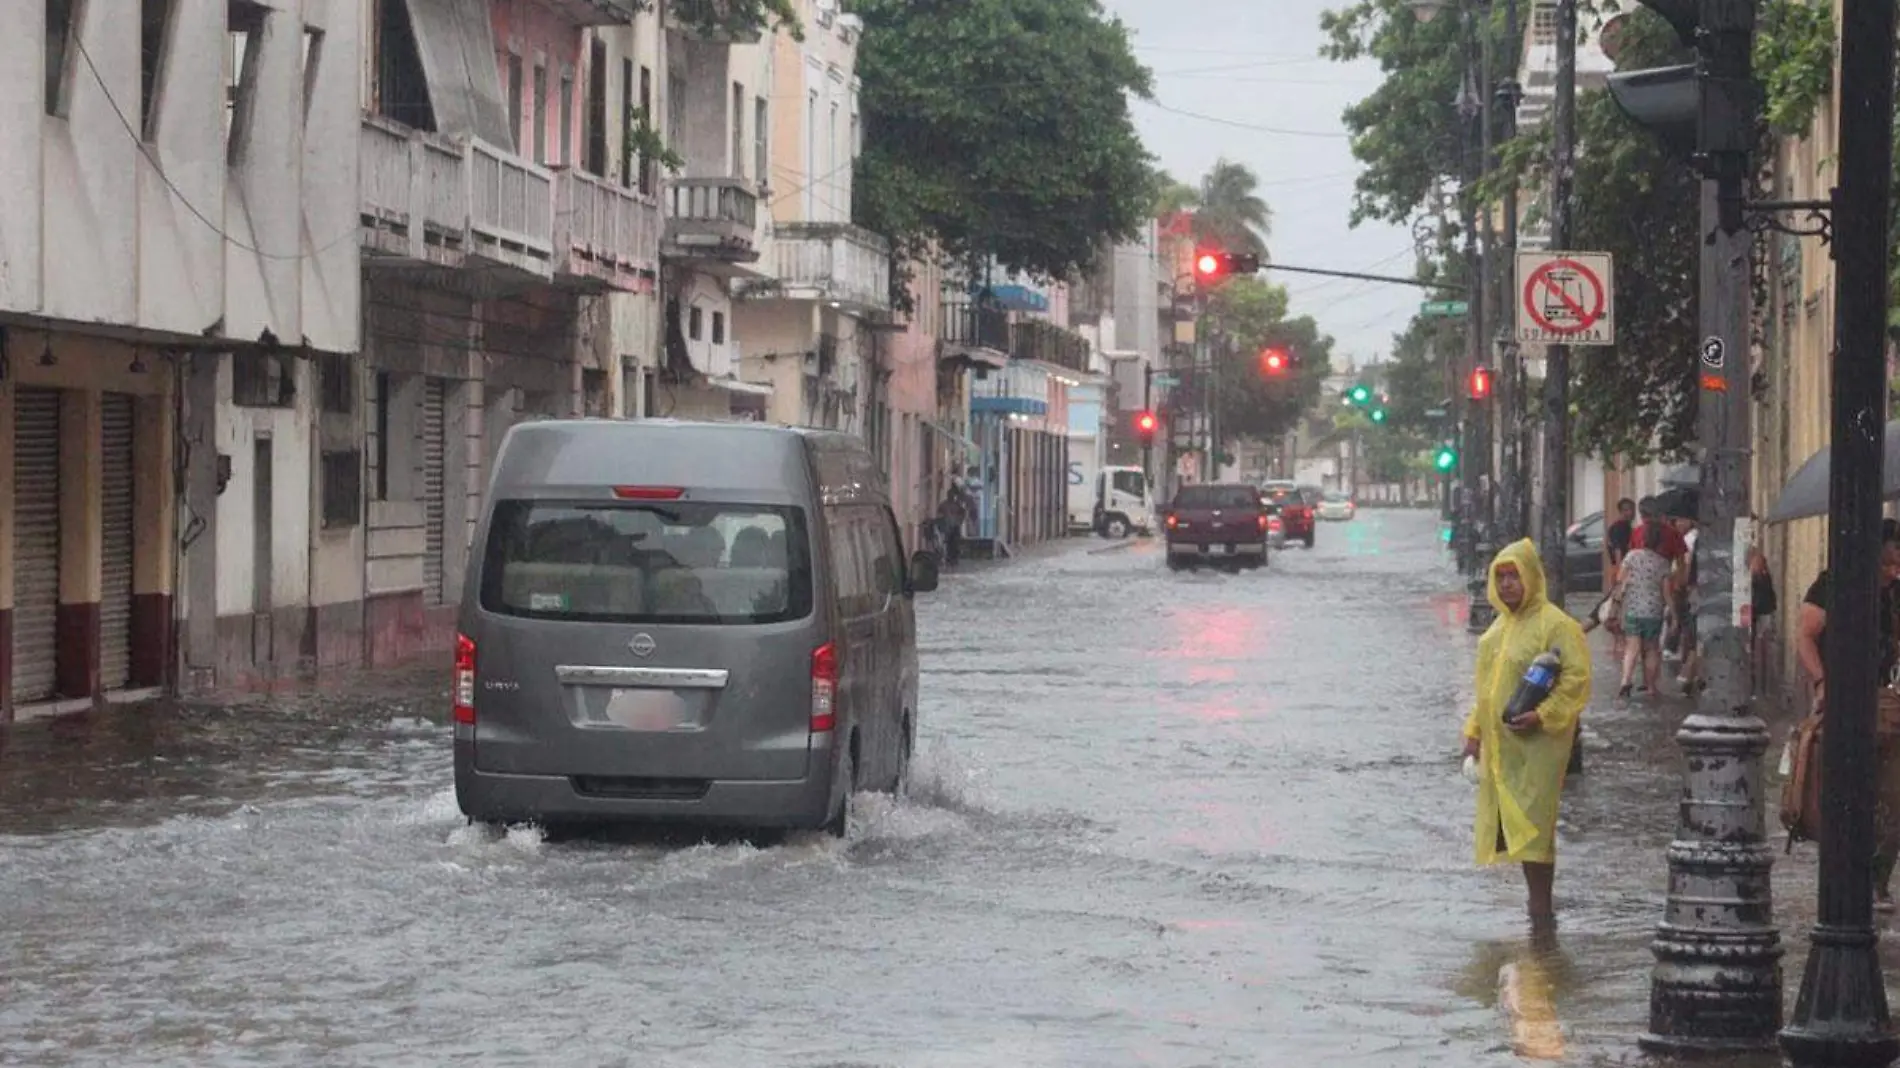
<point>970,328</point>
<point>427,200</point>
<point>1045,342</point>
<point>712,221</point>
<point>837,262</point>
<point>702,20</point>
<point>595,12</point>
<point>606,236</point>
<point>412,188</point>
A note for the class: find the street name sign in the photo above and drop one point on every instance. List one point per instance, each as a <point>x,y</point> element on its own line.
<point>1444,309</point>
<point>1565,298</point>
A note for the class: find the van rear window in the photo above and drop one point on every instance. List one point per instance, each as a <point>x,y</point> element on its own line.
<point>673,562</point>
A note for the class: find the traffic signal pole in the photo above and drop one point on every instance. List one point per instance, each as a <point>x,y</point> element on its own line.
<point>1555,518</point>
<point>1841,1016</point>
<point>1475,452</point>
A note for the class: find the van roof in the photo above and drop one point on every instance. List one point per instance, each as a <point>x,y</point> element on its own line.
<point>545,455</point>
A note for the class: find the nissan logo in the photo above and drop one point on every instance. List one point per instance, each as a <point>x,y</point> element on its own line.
<point>642,645</point>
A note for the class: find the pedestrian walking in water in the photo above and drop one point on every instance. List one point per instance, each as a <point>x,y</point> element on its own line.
<point>951,515</point>
<point>1644,595</point>
<point>1520,764</point>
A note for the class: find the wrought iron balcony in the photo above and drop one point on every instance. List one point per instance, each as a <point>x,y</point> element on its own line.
<point>605,235</point>
<point>968,325</point>
<point>1036,339</point>
<point>712,218</point>
<point>834,262</point>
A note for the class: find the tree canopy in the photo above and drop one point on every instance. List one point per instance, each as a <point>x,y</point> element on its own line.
<point>1227,210</point>
<point>1253,403</point>
<point>1000,130</point>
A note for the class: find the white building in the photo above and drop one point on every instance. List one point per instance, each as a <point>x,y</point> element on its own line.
<point>178,229</point>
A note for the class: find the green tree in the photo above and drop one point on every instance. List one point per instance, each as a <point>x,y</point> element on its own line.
<point>732,18</point>
<point>1228,210</point>
<point>1251,314</point>
<point>1000,129</point>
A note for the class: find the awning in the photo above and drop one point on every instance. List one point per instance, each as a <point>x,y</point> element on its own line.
<point>1015,298</point>
<point>733,385</point>
<point>1009,406</point>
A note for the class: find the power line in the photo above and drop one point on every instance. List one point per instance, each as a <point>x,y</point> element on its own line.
<point>1340,134</point>
<point>159,168</point>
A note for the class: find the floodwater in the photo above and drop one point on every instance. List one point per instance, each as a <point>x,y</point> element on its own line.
<point>1158,819</point>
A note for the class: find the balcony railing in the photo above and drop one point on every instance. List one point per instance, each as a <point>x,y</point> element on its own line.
<point>719,10</point>
<point>603,231</point>
<point>718,216</point>
<point>429,199</point>
<point>511,209</point>
<point>836,262</point>
<point>971,326</point>
<point>1034,339</point>
<point>595,12</point>
<point>412,189</point>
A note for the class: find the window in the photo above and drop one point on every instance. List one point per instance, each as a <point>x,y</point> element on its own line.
<point>688,562</point>
<point>342,474</point>
<point>540,114</point>
<point>244,23</point>
<point>719,328</point>
<point>866,560</point>
<point>383,402</point>
<point>761,155</point>
<point>514,99</point>
<point>336,382</point>
<point>628,114</point>
<point>262,380</point>
<point>646,115</point>
<point>312,54</point>
<point>1215,496</point>
<point>400,91</point>
<point>693,324</point>
<point>155,18</point>
<point>736,117</point>
<point>597,108</point>
<point>59,29</point>
<point>811,152</point>
<point>831,155</point>
<point>1130,482</point>
<point>676,111</point>
<point>567,117</point>
<point>856,144</point>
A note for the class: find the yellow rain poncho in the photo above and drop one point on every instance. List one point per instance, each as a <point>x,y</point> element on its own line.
<point>1522,775</point>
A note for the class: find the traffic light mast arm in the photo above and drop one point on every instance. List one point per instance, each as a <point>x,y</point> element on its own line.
<point>1363,277</point>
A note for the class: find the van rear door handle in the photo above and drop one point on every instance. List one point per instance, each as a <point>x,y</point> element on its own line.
<point>655,678</point>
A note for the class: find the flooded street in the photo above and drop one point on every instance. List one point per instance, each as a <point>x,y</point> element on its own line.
<point>1158,819</point>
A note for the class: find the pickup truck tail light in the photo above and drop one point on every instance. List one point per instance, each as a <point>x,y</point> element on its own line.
<point>1264,518</point>
<point>1172,521</point>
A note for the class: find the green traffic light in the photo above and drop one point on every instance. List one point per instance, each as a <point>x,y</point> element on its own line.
<point>1361,394</point>
<point>1446,459</point>
<point>1378,415</point>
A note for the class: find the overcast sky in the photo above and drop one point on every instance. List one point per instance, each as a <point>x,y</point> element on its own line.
<point>1250,68</point>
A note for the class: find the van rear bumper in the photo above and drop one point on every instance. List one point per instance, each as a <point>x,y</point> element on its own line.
<point>748,803</point>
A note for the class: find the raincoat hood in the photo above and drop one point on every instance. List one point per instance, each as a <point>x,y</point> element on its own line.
<point>1530,568</point>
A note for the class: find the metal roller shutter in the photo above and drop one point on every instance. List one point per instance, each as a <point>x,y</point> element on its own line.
<point>115,522</point>
<point>432,489</point>
<point>35,541</point>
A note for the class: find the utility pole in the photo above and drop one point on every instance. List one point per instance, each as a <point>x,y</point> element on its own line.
<point>1556,511</point>
<point>1514,397</point>
<point>1716,986</point>
<point>1841,1015</point>
<point>1476,451</point>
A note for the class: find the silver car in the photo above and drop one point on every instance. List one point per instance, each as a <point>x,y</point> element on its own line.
<point>684,622</point>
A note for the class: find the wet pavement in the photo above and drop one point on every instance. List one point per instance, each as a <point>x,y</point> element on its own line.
<point>1158,819</point>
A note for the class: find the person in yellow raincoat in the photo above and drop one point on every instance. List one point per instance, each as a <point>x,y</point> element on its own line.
<point>1521,765</point>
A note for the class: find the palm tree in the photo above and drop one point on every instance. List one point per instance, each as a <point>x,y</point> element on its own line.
<point>1230,213</point>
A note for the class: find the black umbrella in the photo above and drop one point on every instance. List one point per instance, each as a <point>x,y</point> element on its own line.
<point>1804,495</point>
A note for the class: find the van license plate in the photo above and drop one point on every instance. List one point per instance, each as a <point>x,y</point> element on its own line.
<point>648,710</point>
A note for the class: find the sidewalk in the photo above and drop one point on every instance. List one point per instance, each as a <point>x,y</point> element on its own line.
<point>1618,819</point>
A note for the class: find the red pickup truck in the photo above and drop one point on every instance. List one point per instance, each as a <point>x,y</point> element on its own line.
<point>1224,524</point>
<point>1296,511</point>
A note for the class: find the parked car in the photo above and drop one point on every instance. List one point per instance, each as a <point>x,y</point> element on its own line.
<point>1221,523</point>
<point>1336,506</point>
<point>684,622</point>
<point>1294,508</point>
<point>1583,555</point>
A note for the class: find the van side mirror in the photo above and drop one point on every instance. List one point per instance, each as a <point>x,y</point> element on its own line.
<point>923,572</point>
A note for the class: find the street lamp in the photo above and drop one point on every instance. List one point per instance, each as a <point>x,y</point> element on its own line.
<point>1426,10</point>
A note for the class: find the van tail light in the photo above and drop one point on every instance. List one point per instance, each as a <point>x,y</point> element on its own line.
<point>649,493</point>
<point>1172,521</point>
<point>464,679</point>
<point>824,688</point>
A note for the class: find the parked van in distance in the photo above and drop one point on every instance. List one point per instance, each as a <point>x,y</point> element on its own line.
<point>684,622</point>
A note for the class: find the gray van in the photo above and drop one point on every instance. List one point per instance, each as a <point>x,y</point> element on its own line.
<point>684,622</point>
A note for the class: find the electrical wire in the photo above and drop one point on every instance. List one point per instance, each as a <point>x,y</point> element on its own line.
<point>1255,127</point>
<point>159,168</point>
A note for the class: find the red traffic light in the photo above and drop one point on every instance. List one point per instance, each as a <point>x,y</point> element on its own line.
<point>1480,383</point>
<point>1275,361</point>
<point>1208,265</point>
<point>1145,423</point>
